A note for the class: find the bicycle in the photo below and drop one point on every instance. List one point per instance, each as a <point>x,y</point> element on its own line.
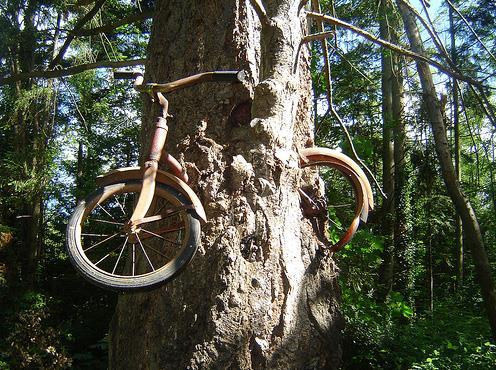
<point>141,227</point>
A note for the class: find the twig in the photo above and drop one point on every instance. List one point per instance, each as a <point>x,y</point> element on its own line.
<point>320,28</point>
<point>72,35</point>
<point>73,98</point>
<point>71,70</point>
<point>341,54</point>
<point>471,29</point>
<point>429,26</point>
<point>260,10</point>
<point>393,47</point>
<point>326,34</point>
<point>479,92</point>
<point>485,103</point>
<point>134,18</point>
<point>355,154</point>
<point>317,36</point>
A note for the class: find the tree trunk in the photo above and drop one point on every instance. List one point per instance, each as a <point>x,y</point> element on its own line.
<point>387,267</point>
<point>462,204</point>
<point>30,147</point>
<point>402,249</point>
<point>256,295</point>
<point>456,152</point>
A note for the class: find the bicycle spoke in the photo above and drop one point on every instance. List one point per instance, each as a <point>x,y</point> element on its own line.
<point>120,254</point>
<point>95,235</point>
<point>173,211</point>
<point>159,236</point>
<point>105,257</point>
<point>171,229</point>
<point>100,242</point>
<point>104,210</point>
<point>134,258</point>
<point>107,222</point>
<point>146,255</point>
<point>154,250</point>
<point>120,205</point>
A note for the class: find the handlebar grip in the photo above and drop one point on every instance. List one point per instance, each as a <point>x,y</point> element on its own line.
<point>126,75</point>
<point>229,76</point>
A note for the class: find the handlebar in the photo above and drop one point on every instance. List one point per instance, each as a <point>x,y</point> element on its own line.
<point>151,88</point>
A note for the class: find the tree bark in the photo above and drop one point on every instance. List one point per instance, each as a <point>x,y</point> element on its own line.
<point>402,248</point>
<point>387,267</point>
<point>462,205</point>
<point>256,295</point>
<point>456,152</point>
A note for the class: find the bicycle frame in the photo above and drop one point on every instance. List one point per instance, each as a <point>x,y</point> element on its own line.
<point>180,212</point>
<point>156,152</point>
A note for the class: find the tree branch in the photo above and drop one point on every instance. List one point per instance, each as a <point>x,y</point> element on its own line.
<point>325,51</point>
<point>471,29</point>
<point>71,70</point>
<point>260,10</point>
<point>317,36</point>
<point>394,47</point>
<point>328,34</point>
<point>70,37</point>
<point>134,18</point>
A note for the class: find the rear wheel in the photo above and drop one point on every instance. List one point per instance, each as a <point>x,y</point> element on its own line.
<point>110,253</point>
<point>333,197</point>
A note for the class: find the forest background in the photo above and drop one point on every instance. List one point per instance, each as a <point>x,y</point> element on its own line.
<point>410,295</point>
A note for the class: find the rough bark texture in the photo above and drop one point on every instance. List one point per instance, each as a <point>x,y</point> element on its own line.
<point>462,205</point>
<point>457,153</point>
<point>257,295</point>
<point>385,282</point>
<point>402,249</point>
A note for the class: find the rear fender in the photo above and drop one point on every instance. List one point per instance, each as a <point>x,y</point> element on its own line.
<point>136,173</point>
<point>317,154</point>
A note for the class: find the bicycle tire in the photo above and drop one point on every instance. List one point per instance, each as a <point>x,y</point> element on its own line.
<point>107,211</point>
<point>361,188</point>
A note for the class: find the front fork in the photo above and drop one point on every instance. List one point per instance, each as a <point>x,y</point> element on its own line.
<point>151,165</point>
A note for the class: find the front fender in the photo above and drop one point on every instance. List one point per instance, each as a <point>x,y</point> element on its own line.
<point>136,173</point>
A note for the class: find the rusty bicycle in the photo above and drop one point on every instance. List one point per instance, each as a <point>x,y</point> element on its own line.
<point>141,227</point>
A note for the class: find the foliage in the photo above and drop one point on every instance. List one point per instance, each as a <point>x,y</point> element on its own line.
<point>57,135</point>
<point>396,335</point>
<point>401,331</point>
<point>54,320</point>
<point>34,340</point>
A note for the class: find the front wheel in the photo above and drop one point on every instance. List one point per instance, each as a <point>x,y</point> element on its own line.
<point>111,254</point>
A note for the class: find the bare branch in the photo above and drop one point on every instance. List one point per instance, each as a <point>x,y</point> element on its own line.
<point>471,29</point>
<point>70,37</point>
<point>477,91</point>
<point>260,10</point>
<point>325,50</point>
<point>320,28</point>
<point>317,36</point>
<point>323,35</point>
<point>71,70</point>
<point>112,26</point>
<point>394,47</point>
<point>431,30</point>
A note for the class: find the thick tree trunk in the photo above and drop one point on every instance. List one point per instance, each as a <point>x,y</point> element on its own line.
<point>462,204</point>
<point>256,295</point>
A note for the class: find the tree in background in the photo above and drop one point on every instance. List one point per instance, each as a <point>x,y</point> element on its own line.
<point>78,123</point>
<point>40,119</point>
